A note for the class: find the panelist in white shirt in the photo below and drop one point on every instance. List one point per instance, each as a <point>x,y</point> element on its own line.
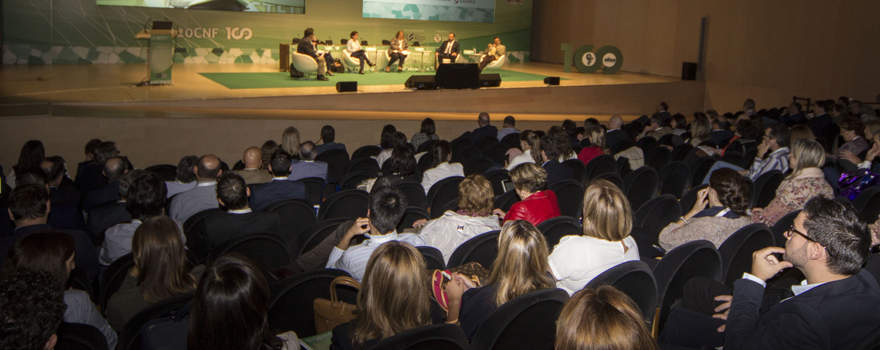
<point>355,51</point>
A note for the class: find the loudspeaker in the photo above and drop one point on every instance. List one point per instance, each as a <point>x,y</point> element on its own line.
<point>551,80</point>
<point>490,80</point>
<point>458,76</point>
<point>347,86</point>
<point>420,82</point>
<point>688,71</point>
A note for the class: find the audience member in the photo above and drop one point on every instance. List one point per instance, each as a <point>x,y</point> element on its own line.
<point>662,111</point>
<point>602,318</point>
<point>719,211</point>
<point>393,298</point>
<point>387,205</point>
<point>88,172</point>
<point>569,129</point>
<point>701,130</point>
<point>280,188</point>
<point>776,140</point>
<point>679,124</point>
<point>66,213</point>
<point>31,156</point>
<point>615,134</point>
<point>290,141</point>
<point>254,172</point>
<point>746,134</point>
<point>387,143</point>
<point>551,149</point>
<point>267,149</point>
<point>485,130</point>
<point>31,306</point>
<point>53,252</point>
<point>307,166</point>
<point>720,132</point>
<point>238,221</point>
<point>853,132</point>
<point>185,179</point>
<point>805,182</point>
<point>520,267</point>
<point>204,195</point>
<point>427,132</point>
<point>537,203</point>
<point>146,199</point>
<point>107,215</point>
<point>400,167</point>
<point>472,217</point>
<point>328,140</point>
<point>801,131</point>
<point>597,146</point>
<point>441,155</point>
<point>508,127</point>
<point>606,241</point>
<point>821,122</point>
<point>114,168</point>
<point>234,290</point>
<point>658,128</point>
<point>795,115</point>
<point>528,141</point>
<point>159,272</point>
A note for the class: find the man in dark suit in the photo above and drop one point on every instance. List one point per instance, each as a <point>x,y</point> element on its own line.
<point>662,111</point>
<point>114,168</point>
<point>238,221</point>
<point>615,133</point>
<point>820,124</point>
<point>485,130</point>
<point>795,115</point>
<point>721,133</point>
<point>449,49</point>
<point>551,148</point>
<point>328,138</point>
<point>66,214</point>
<point>280,188</point>
<point>306,46</point>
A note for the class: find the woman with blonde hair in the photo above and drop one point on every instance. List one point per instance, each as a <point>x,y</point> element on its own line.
<point>602,318</point>
<point>290,141</point>
<point>537,203</point>
<point>606,242</point>
<point>805,182</point>
<point>801,131</point>
<point>393,298</point>
<point>520,267</point>
<point>159,272</point>
<point>700,130</point>
<point>597,147</point>
<point>472,217</point>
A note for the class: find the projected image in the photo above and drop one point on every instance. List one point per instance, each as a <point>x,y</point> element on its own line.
<point>480,11</point>
<point>268,6</point>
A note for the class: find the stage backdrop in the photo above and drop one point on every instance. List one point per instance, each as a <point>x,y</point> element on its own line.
<point>80,31</point>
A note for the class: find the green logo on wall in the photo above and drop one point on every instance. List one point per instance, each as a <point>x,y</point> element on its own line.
<point>588,61</point>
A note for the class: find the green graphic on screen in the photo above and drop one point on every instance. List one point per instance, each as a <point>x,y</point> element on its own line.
<point>268,6</point>
<point>479,11</point>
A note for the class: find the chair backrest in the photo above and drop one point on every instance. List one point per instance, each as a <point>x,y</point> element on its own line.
<point>336,157</point>
<point>482,248</point>
<point>167,172</point>
<point>736,251</point>
<point>295,215</point>
<point>765,188</point>
<point>699,169</point>
<point>349,204</point>
<point>426,147</point>
<point>658,157</point>
<point>506,200</point>
<point>497,153</point>
<point>366,152</point>
<point>351,180</point>
<point>641,186</point>
<point>600,165</point>
<point>268,251</point>
<point>291,307</point>
<point>436,336</point>
<point>415,194</point>
<point>734,158</point>
<point>496,177</point>
<point>611,177</point>
<point>314,189</point>
<point>367,164</point>
<point>193,221</point>
<point>437,212</point>
<point>654,215</point>
<point>680,152</point>
<point>647,143</point>
<point>556,228</point>
<point>443,191</point>
<point>433,258</point>
<point>303,63</point>
<point>487,142</point>
<point>79,336</point>
<point>578,169</point>
<point>570,196</point>
<point>511,140</point>
<point>868,203</point>
<point>525,322</point>
<point>129,337</point>
<point>689,260</point>
<point>675,178</point>
<point>313,235</point>
<point>112,278</point>
<point>425,163</point>
<point>334,173</point>
<point>690,197</point>
<point>410,216</point>
<point>477,165</point>
<point>466,153</point>
<point>633,278</point>
<point>460,143</point>
<point>781,226</point>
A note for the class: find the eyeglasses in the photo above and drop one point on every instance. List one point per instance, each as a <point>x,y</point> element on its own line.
<point>791,229</point>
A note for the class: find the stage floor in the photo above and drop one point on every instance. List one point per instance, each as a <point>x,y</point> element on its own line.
<point>107,83</point>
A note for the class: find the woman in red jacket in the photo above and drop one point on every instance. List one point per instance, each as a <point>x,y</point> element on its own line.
<point>537,204</point>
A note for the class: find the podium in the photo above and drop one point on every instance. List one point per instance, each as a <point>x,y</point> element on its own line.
<point>160,52</point>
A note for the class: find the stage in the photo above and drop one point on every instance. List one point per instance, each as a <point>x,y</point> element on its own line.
<point>223,108</point>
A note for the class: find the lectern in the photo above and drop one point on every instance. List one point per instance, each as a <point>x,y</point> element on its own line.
<point>160,54</point>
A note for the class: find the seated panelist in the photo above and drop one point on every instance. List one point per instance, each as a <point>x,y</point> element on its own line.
<point>449,49</point>
<point>307,46</point>
<point>493,52</point>
<point>355,51</point>
<point>397,51</point>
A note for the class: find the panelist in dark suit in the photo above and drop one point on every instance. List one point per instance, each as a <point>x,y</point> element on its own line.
<point>449,49</point>
<point>238,221</point>
<point>280,188</point>
<point>551,148</point>
<point>397,51</point>
<point>306,46</point>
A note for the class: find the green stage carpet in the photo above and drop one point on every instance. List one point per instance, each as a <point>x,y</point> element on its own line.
<point>283,79</point>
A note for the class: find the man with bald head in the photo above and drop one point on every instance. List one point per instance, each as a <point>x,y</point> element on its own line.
<point>307,166</point>
<point>253,161</point>
<point>204,196</point>
<point>114,168</point>
<point>615,134</point>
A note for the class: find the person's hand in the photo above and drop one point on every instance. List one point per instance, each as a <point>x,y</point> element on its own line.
<point>757,211</point>
<point>700,204</point>
<point>851,157</point>
<point>361,226</point>
<point>875,232</point>
<point>763,148</point>
<point>420,223</point>
<point>723,309</point>
<point>873,152</point>
<point>454,54</point>
<point>456,287</point>
<point>765,265</point>
<point>499,212</point>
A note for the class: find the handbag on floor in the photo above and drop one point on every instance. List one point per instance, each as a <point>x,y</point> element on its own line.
<point>331,313</point>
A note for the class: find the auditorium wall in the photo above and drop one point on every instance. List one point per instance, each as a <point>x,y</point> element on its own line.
<point>766,50</point>
<point>80,31</point>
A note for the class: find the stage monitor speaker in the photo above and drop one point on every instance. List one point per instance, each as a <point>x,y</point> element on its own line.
<point>347,86</point>
<point>458,76</point>
<point>688,71</point>
<point>490,80</point>
<point>551,80</point>
<point>420,82</point>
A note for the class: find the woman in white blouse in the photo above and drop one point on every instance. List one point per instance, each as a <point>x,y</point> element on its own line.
<point>527,140</point>
<point>441,154</point>
<point>355,51</point>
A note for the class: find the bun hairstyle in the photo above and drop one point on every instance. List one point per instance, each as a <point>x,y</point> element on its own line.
<point>732,189</point>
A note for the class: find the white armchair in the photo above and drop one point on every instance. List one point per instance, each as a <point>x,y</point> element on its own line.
<point>350,62</point>
<point>496,64</point>
<point>304,63</point>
